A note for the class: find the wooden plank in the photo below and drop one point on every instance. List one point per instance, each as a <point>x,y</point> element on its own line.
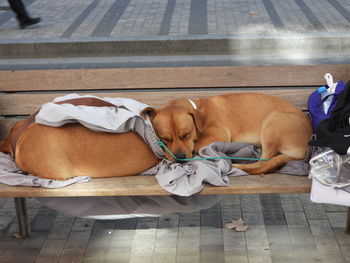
<point>23,104</point>
<point>147,185</point>
<point>139,78</point>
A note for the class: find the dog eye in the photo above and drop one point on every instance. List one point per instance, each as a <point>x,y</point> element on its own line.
<point>184,136</point>
<point>166,140</point>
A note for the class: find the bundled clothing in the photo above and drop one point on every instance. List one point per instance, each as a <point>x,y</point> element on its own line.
<point>334,132</point>
<point>315,105</point>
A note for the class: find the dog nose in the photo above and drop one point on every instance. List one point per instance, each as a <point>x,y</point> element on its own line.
<point>180,155</point>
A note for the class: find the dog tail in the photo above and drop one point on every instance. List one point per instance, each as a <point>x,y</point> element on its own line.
<point>263,167</point>
<point>5,147</point>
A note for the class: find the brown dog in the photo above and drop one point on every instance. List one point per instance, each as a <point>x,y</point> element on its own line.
<point>275,125</point>
<point>72,150</point>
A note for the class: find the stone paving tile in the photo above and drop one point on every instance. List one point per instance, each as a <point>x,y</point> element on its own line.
<point>72,255</point>
<point>259,254</point>
<point>168,221</point>
<point>61,227</point>
<point>251,203</point>
<point>300,236</point>
<point>314,211</point>
<point>256,236</point>
<point>51,249</point>
<point>303,254</point>
<point>253,218</point>
<point>292,204</point>
<point>25,255</point>
<point>147,223</point>
<point>37,240</point>
<point>187,259</point>
<point>278,236</point>
<point>188,243</point>
<point>295,219</point>
<point>81,224</point>
<point>189,219</point>
<point>166,238</point>
<point>334,208</point>
<point>234,242</point>
<point>230,208</point>
<point>272,209</point>
<point>9,214</point>
<point>211,217</point>
<point>342,238</point>
<point>337,219</point>
<point>43,220</point>
<point>212,254</point>
<point>118,255</point>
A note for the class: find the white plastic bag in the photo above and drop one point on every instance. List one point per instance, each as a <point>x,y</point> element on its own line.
<point>331,169</point>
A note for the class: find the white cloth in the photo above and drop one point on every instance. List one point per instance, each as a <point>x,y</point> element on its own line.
<point>10,174</point>
<point>126,117</point>
<point>328,195</point>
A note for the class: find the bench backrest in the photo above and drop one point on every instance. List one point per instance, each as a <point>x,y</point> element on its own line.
<point>22,92</point>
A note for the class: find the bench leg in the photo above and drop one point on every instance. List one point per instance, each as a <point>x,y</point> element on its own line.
<point>347,228</point>
<point>22,217</point>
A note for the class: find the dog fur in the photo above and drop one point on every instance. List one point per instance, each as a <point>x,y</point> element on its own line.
<point>72,150</point>
<point>275,125</point>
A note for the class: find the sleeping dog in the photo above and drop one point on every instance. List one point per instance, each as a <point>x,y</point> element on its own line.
<point>72,150</point>
<point>275,125</point>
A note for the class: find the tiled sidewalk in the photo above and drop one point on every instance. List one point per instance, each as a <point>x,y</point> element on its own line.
<point>282,228</point>
<point>178,25</point>
<point>137,18</point>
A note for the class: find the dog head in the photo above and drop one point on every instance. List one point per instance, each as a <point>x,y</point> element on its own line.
<point>178,125</point>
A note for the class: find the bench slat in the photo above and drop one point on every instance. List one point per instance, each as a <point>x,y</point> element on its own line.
<point>139,78</point>
<point>24,104</point>
<point>147,185</point>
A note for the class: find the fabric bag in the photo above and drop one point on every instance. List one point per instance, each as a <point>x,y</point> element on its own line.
<point>316,102</point>
<point>334,132</point>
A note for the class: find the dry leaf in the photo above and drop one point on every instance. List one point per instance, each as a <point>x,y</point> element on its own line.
<point>253,13</point>
<point>230,226</point>
<point>241,228</point>
<point>239,225</point>
<point>17,236</point>
<point>238,222</point>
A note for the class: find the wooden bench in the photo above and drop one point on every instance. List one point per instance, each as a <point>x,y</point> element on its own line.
<point>22,93</point>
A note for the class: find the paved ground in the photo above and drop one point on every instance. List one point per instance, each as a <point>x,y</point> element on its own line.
<point>134,18</point>
<point>109,27</point>
<point>282,228</point>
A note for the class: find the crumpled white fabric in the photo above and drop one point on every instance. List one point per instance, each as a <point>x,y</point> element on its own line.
<point>188,178</point>
<point>126,117</point>
<point>10,174</point>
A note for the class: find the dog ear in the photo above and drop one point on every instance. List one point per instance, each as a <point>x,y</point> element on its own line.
<point>198,120</point>
<point>149,111</point>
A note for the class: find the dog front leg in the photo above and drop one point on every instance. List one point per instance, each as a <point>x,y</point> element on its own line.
<point>217,135</point>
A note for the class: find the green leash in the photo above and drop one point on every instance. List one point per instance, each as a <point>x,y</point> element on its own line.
<point>161,144</point>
